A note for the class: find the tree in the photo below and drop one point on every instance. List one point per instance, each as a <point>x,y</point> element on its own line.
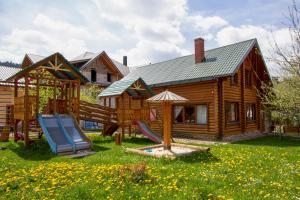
<point>283,97</point>
<point>90,93</point>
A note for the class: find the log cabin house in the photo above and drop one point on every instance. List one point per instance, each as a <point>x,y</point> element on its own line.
<point>221,85</point>
<point>6,93</point>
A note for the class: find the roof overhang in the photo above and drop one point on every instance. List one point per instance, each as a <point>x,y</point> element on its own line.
<point>57,65</point>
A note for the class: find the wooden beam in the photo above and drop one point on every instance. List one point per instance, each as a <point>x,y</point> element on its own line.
<point>15,121</point>
<point>26,112</point>
<point>243,120</point>
<point>37,94</point>
<point>78,100</point>
<point>220,108</point>
<point>54,98</point>
<point>167,125</point>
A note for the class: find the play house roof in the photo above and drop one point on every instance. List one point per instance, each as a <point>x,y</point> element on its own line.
<point>134,87</point>
<point>167,96</point>
<point>218,62</point>
<point>57,65</point>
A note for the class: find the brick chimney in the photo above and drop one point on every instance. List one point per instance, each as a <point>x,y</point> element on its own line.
<point>199,50</point>
<point>125,60</point>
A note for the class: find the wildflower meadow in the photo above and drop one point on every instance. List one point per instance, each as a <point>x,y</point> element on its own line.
<point>265,168</point>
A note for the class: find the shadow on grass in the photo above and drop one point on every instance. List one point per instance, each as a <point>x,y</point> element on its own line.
<point>200,157</point>
<point>38,151</point>
<point>99,148</point>
<point>138,141</point>
<point>274,141</point>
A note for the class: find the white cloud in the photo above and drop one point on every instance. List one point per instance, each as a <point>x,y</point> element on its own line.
<point>264,35</point>
<point>146,31</point>
<point>204,24</point>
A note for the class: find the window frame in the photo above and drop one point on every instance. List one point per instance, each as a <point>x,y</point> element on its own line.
<point>252,106</point>
<point>93,75</point>
<point>248,78</point>
<point>195,111</point>
<point>237,115</point>
<point>109,77</point>
<point>234,80</point>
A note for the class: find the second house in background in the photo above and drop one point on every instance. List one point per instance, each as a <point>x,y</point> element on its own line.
<point>98,68</point>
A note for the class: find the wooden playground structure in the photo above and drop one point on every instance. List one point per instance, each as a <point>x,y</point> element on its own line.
<point>131,104</point>
<point>51,75</point>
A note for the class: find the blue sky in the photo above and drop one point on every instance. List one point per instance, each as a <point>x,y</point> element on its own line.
<point>145,31</point>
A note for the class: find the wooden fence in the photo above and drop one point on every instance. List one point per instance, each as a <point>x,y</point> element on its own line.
<point>96,113</point>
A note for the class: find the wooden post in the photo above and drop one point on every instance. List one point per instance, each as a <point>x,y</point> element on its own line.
<point>65,89</point>
<point>167,125</point>
<point>15,121</point>
<point>54,98</point>
<point>78,100</point>
<point>220,108</point>
<point>129,130</point>
<point>123,116</point>
<point>243,115</point>
<point>26,112</point>
<point>70,97</point>
<point>37,97</point>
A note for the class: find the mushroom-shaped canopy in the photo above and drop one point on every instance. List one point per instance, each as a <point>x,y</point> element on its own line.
<point>167,96</point>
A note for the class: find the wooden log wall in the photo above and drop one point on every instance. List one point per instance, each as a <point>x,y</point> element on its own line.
<point>19,108</point>
<point>199,93</point>
<point>6,98</point>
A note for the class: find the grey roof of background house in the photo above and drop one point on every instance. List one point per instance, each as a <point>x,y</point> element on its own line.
<point>35,58</point>
<point>6,72</point>
<point>219,62</point>
<point>85,56</point>
<point>122,68</point>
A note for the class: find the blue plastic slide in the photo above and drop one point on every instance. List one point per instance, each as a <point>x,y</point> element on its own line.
<point>79,139</point>
<point>63,134</point>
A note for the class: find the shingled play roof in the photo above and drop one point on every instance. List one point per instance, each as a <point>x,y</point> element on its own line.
<point>219,62</point>
<point>73,74</point>
<point>119,87</point>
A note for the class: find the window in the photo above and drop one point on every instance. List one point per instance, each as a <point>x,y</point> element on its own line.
<point>250,111</point>
<point>234,79</point>
<point>202,114</point>
<point>190,114</point>
<point>152,114</point>
<point>248,78</point>
<point>93,75</point>
<point>108,77</point>
<point>232,112</point>
<point>178,114</point>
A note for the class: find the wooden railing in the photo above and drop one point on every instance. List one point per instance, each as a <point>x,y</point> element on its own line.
<point>97,113</point>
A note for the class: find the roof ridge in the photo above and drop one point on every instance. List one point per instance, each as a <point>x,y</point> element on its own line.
<point>193,53</point>
<point>34,54</point>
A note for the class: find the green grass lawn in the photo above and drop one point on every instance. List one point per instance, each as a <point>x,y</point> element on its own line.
<point>265,168</point>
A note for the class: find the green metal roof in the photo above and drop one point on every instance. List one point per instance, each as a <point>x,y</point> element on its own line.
<point>119,87</point>
<point>219,62</point>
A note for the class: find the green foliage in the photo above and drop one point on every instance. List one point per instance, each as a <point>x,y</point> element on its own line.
<point>283,98</point>
<point>90,93</point>
<point>243,170</point>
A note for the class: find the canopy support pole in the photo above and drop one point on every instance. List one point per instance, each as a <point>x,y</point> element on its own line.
<point>167,125</point>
